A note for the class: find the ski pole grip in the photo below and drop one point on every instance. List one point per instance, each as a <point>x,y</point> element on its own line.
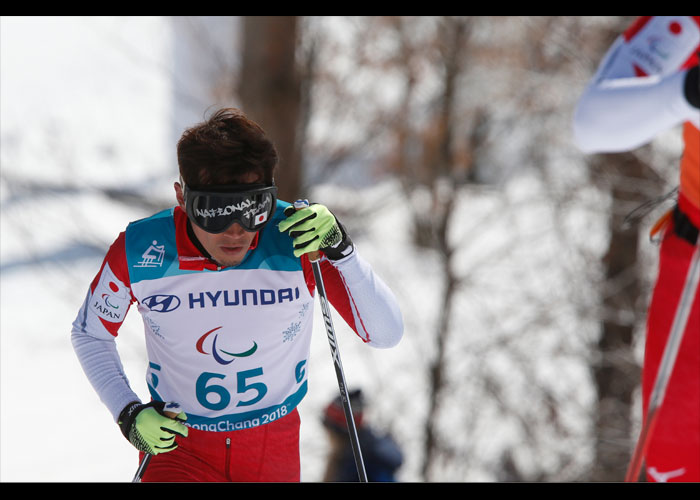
<point>168,410</point>
<point>298,205</point>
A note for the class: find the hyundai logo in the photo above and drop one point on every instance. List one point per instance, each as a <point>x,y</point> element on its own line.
<point>162,303</point>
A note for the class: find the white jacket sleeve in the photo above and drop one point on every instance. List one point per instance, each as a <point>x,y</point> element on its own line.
<point>94,330</point>
<point>101,363</point>
<point>364,300</point>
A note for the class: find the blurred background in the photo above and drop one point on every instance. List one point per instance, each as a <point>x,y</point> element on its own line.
<point>523,267</point>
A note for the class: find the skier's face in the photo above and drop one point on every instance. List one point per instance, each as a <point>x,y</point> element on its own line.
<point>227,248</point>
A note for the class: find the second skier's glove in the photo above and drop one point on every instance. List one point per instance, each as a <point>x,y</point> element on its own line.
<point>150,429</point>
<point>315,228</point>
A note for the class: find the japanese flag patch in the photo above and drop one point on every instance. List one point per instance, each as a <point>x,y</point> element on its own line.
<point>260,218</point>
<point>111,298</point>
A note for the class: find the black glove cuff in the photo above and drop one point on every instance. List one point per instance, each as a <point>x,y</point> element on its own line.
<point>691,87</point>
<point>127,416</point>
<point>342,249</point>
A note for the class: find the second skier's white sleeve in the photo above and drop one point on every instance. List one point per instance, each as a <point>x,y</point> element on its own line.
<point>623,114</point>
<point>637,91</point>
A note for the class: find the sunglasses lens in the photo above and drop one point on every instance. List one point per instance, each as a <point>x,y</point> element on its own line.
<point>216,212</point>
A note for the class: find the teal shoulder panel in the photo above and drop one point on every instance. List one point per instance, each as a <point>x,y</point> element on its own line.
<point>151,251</point>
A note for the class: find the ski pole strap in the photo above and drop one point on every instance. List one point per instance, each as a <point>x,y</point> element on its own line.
<point>683,227</point>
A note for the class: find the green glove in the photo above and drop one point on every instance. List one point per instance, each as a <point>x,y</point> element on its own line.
<point>315,228</point>
<point>152,427</point>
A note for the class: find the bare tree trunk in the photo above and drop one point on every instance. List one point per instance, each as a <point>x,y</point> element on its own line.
<point>438,366</point>
<point>440,164</point>
<point>270,91</point>
<point>616,373</point>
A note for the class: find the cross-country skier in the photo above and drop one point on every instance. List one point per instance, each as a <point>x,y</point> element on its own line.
<point>225,288</point>
<point>648,83</point>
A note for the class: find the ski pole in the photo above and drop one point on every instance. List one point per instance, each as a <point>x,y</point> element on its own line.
<point>668,361</point>
<point>142,468</point>
<point>314,258</point>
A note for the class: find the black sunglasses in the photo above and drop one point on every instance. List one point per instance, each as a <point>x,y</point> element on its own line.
<point>215,210</point>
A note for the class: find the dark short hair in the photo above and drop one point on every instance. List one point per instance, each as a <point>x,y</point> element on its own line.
<point>224,148</point>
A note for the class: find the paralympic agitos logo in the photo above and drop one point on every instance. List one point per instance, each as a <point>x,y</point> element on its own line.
<point>105,298</point>
<point>220,355</point>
